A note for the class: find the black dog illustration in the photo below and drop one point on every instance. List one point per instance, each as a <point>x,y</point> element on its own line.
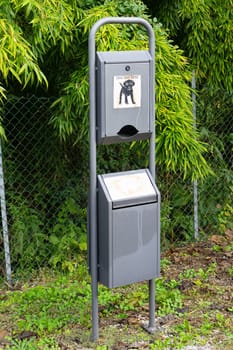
<point>127,90</point>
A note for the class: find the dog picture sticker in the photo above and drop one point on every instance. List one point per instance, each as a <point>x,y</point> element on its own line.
<point>127,91</point>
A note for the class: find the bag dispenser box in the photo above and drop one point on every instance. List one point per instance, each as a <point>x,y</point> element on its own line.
<point>124,105</point>
<point>128,228</point>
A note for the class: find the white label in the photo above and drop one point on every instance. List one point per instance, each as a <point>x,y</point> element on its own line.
<point>129,186</point>
<point>127,91</point>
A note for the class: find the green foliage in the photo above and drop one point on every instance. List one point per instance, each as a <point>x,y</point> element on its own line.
<point>217,126</point>
<point>56,308</point>
<point>17,59</point>
<point>211,206</point>
<point>230,272</point>
<point>51,22</point>
<point>47,308</point>
<point>55,34</point>
<point>225,218</point>
<point>176,210</point>
<point>68,237</point>
<point>50,308</point>
<point>2,92</point>
<point>168,297</point>
<point>28,239</point>
<point>47,225</point>
<point>177,144</point>
<point>204,30</point>
<point>201,273</point>
<point>2,131</point>
<point>215,116</point>
<point>25,344</point>
<point>34,243</point>
<point>208,40</point>
<point>123,300</point>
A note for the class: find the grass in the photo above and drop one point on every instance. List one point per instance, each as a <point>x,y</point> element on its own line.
<point>193,300</point>
<point>55,307</point>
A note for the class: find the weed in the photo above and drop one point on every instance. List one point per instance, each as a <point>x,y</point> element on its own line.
<point>229,247</point>
<point>68,238</point>
<point>230,271</point>
<point>189,274</point>
<point>225,218</point>
<point>33,344</point>
<point>206,328</point>
<point>25,344</point>
<point>216,248</point>
<point>204,274</point>
<point>221,321</point>
<point>161,344</point>
<point>178,340</point>
<point>169,298</point>
<point>164,263</point>
<point>50,308</point>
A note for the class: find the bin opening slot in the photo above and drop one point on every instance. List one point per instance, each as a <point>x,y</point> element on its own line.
<point>127,131</point>
<point>134,202</point>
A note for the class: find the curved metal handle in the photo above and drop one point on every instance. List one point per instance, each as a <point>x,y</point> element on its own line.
<point>124,20</point>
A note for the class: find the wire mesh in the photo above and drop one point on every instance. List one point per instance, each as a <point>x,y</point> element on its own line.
<point>46,190</point>
<point>215,203</point>
<point>41,188</point>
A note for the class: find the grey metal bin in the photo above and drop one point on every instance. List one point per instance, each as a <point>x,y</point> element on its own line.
<point>128,228</point>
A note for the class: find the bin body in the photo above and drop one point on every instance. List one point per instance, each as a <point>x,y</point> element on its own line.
<point>128,232</point>
<point>124,104</point>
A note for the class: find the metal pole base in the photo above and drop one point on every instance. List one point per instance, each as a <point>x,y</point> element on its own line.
<point>148,328</point>
<point>151,330</point>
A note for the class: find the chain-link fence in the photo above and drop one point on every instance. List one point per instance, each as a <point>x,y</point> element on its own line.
<point>46,192</point>
<point>200,209</point>
<point>44,212</point>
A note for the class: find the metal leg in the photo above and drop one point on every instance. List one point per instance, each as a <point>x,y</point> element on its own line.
<point>95,320</point>
<point>152,305</point>
<point>150,326</point>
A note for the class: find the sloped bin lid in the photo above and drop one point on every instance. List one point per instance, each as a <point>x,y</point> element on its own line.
<point>130,188</point>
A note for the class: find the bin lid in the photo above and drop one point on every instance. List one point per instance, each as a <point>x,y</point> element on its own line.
<point>130,188</point>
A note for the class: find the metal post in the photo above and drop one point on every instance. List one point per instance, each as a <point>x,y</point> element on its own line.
<point>195,184</point>
<point>93,183</point>
<point>93,180</point>
<point>151,325</point>
<point>4,222</point>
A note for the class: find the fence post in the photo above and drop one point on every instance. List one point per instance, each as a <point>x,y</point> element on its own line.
<point>4,222</point>
<point>195,184</point>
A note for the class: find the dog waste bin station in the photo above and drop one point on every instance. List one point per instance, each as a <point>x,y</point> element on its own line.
<point>124,207</point>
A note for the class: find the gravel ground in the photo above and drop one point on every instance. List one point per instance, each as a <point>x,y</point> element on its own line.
<point>206,347</point>
<point>190,347</point>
